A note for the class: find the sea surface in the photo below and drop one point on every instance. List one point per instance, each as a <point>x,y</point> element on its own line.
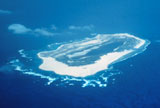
<point>130,83</point>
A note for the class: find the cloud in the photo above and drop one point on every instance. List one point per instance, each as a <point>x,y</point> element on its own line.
<point>43,32</point>
<point>86,27</point>
<point>50,31</point>
<point>21,29</point>
<point>5,12</point>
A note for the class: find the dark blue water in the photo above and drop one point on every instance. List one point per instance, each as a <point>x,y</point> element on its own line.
<point>137,86</point>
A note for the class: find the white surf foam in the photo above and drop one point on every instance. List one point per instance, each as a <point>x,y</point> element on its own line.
<point>53,60</point>
<point>50,79</point>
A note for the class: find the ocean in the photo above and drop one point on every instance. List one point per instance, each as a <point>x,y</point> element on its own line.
<point>30,27</point>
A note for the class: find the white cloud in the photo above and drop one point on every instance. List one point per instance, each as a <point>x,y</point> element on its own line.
<point>43,32</point>
<point>19,29</point>
<point>5,12</point>
<point>86,27</point>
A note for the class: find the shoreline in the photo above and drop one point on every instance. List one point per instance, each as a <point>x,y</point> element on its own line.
<point>51,64</point>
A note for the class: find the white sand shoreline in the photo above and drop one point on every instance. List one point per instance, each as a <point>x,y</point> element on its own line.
<point>51,64</point>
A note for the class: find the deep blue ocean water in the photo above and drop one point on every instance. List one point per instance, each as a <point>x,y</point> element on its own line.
<point>137,86</point>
